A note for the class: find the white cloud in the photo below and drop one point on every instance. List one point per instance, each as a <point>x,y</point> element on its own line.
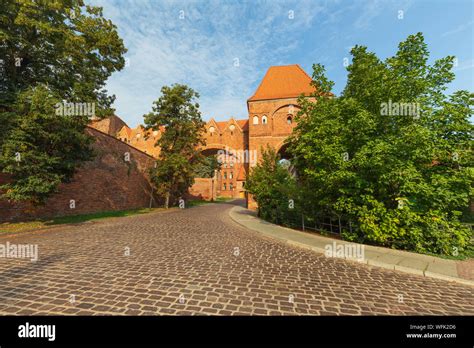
<point>465,65</point>
<point>200,49</point>
<point>458,29</point>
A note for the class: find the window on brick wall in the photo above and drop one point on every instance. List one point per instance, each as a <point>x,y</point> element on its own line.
<point>225,175</point>
<point>225,187</point>
<point>231,175</point>
<point>255,120</point>
<point>289,119</point>
<point>231,187</point>
<point>264,119</point>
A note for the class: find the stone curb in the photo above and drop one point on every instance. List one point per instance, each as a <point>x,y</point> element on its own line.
<point>368,261</point>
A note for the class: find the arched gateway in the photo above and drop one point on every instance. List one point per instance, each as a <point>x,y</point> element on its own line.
<point>271,119</point>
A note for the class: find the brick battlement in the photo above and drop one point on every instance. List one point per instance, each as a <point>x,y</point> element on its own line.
<point>272,110</point>
<point>107,183</point>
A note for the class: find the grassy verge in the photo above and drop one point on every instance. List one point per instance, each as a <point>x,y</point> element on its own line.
<point>467,254</point>
<point>63,220</point>
<point>195,203</point>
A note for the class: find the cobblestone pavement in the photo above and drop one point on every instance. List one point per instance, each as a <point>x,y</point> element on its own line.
<point>198,261</point>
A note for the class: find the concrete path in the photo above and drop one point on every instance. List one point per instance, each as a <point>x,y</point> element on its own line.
<point>414,263</point>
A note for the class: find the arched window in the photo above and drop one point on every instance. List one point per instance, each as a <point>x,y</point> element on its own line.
<point>255,120</point>
<point>264,119</point>
<point>289,119</point>
<point>211,129</point>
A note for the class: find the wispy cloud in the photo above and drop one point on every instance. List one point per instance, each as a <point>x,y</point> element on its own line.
<point>465,65</point>
<point>200,42</point>
<point>458,29</point>
<point>369,11</point>
<point>219,48</point>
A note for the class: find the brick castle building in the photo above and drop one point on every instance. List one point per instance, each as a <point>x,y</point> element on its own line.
<point>271,112</point>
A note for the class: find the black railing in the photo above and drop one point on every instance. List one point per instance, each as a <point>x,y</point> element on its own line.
<point>322,223</point>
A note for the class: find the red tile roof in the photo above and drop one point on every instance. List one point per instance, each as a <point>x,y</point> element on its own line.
<point>242,174</point>
<point>244,124</point>
<point>287,81</point>
<point>221,125</point>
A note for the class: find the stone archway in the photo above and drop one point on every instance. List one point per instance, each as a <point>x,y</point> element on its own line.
<point>285,157</point>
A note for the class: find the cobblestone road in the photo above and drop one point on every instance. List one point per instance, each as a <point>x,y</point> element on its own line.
<point>198,261</point>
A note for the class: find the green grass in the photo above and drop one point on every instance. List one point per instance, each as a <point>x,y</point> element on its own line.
<point>12,227</point>
<point>73,219</point>
<point>196,203</point>
<point>466,254</point>
<point>224,199</point>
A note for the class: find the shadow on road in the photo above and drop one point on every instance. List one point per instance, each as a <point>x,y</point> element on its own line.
<point>238,201</point>
<point>16,280</point>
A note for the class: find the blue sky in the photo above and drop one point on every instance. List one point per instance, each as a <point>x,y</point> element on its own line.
<point>199,43</point>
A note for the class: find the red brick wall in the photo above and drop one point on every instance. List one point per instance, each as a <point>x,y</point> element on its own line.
<point>107,183</point>
<point>203,189</point>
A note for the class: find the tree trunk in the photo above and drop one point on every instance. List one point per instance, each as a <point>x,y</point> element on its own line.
<point>167,200</point>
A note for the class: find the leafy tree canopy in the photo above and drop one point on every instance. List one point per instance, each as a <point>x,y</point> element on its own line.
<point>392,154</point>
<point>63,44</point>
<point>42,149</point>
<point>51,53</point>
<point>177,112</point>
<point>273,188</point>
<point>207,166</point>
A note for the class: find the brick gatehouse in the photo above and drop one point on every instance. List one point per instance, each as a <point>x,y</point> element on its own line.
<point>271,111</point>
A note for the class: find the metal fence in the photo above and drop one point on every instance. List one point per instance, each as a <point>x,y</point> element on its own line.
<point>321,223</point>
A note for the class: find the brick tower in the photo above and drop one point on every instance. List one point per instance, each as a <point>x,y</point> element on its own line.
<point>273,107</point>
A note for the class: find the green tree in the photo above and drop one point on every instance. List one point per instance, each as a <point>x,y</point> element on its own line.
<point>42,149</point>
<point>63,44</point>
<point>62,51</point>
<point>393,153</point>
<point>273,188</point>
<point>207,166</point>
<point>177,111</point>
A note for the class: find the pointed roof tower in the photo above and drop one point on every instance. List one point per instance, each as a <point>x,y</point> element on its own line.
<point>286,81</point>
